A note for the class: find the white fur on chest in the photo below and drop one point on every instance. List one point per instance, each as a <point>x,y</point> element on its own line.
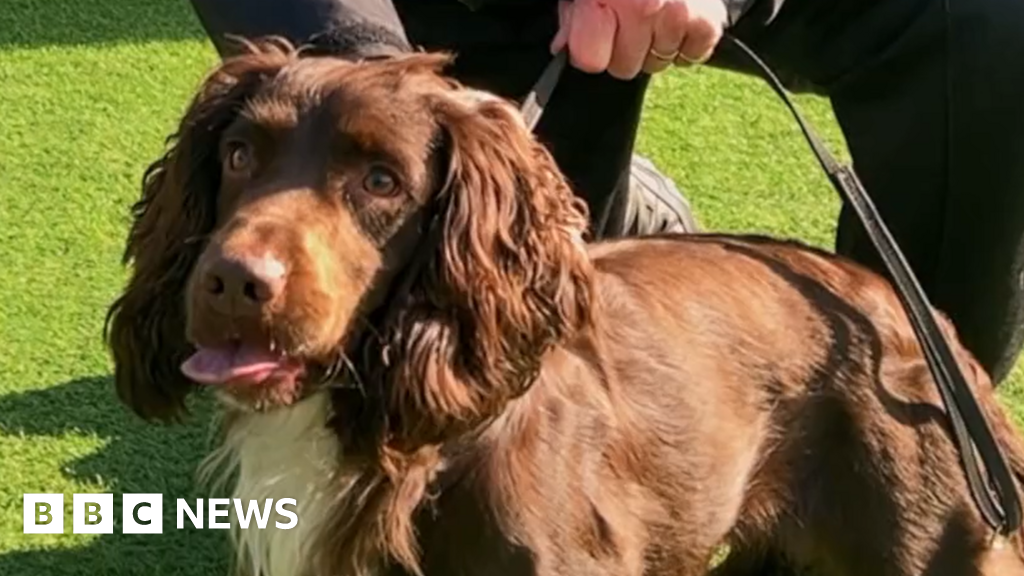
<point>285,453</point>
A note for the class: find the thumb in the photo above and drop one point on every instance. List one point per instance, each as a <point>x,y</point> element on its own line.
<point>564,26</point>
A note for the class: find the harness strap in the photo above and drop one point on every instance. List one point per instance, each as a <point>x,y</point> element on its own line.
<point>994,493</point>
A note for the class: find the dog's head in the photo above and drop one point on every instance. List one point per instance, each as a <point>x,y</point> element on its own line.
<point>304,196</point>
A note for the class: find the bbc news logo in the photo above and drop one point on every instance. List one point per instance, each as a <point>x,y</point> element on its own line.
<point>143,513</point>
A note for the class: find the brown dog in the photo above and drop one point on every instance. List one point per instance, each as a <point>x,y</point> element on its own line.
<point>383,275</point>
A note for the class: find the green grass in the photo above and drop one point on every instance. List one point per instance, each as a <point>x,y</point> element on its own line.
<point>88,91</point>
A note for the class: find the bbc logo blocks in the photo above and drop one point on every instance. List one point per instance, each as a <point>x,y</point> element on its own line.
<point>143,513</point>
<point>44,513</point>
<point>94,514</point>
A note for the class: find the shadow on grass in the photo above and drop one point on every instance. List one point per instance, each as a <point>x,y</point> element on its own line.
<point>37,23</point>
<point>137,457</point>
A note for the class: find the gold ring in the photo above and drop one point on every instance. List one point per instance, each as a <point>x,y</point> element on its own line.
<point>681,58</point>
<point>664,57</point>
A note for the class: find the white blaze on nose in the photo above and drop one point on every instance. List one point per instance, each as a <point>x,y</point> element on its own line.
<point>268,267</point>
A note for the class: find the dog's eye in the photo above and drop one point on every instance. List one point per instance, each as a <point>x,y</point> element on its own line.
<point>238,157</point>
<point>380,181</point>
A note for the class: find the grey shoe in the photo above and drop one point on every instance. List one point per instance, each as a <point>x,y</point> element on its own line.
<point>655,205</point>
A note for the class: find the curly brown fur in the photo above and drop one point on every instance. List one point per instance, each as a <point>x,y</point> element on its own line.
<point>171,225</point>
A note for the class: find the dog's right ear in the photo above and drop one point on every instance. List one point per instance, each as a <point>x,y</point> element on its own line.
<point>145,326</point>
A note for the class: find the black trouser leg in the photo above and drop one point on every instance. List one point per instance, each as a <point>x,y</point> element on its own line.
<point>944,140</point>
<point>980,277</point>
<point>931,102</point>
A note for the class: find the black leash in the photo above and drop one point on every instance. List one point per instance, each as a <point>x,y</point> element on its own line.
<point>995,494</point>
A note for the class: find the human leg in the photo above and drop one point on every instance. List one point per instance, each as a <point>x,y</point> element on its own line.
<point>931,100</point>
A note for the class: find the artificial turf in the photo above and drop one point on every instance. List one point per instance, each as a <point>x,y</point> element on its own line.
<point>88,92</point>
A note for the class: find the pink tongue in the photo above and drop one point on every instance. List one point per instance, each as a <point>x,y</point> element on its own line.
<point>235,364</point>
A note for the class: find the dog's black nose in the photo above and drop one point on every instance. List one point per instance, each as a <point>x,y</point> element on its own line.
<point>241,284</point>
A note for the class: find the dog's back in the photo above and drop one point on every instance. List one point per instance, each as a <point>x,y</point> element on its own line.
<point>804,367</point>
<point>738,391</point>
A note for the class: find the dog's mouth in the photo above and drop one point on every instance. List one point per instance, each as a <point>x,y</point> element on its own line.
<point>241,365</point>
<point>252,374</point>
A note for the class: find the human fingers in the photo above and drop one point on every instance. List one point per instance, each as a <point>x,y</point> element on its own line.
<point>633,37</point>
<point>669,31</point>
<point>703,31</point>
<point>591,36</point>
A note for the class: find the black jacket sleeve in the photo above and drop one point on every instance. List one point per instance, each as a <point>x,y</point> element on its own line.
<point>356,28</point>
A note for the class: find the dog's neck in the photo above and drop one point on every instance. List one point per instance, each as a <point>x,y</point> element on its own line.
<point>287,452</point>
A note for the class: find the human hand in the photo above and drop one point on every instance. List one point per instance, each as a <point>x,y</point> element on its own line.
<point>625,37</point>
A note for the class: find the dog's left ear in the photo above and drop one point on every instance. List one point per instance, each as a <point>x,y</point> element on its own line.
<point>510,277</point>
<point>505,278</point>
<point>145,327</point>
<point>512,256</point>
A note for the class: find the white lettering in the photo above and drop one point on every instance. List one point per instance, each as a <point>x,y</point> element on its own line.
<point>214,513</point>
<point>253,510</point>
<point>288,513</point>
<point>197,518</point>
